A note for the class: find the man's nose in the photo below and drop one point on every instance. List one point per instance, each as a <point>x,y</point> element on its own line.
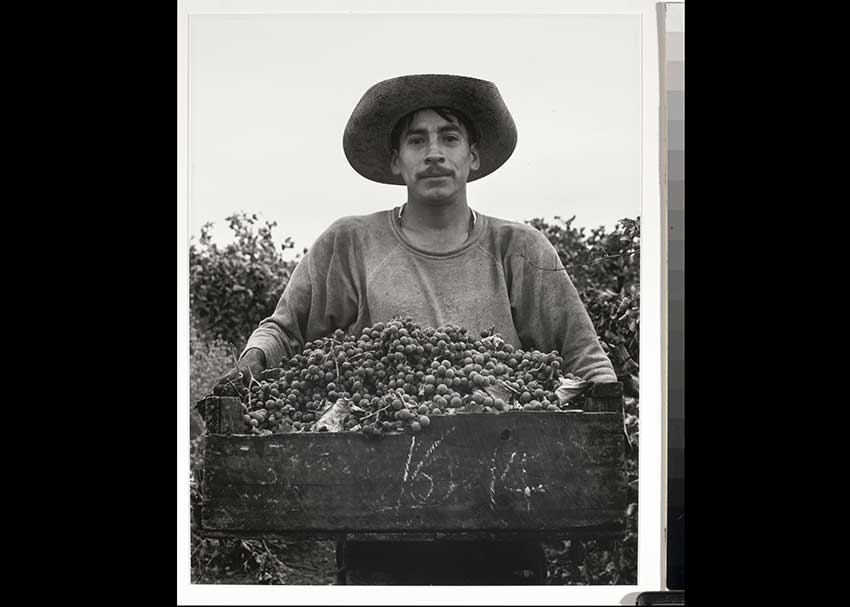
<point>434,153</point>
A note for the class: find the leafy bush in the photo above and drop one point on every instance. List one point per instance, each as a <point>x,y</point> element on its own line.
<point>232,288</point>
<point>209,358</point>
<point>605,267</point>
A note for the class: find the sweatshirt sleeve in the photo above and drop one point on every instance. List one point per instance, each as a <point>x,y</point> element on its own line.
<point>548,313</point>
<point>320,297</point>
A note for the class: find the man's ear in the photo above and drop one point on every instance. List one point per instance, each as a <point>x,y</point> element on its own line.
<point>476,161</point>
<point>394,163</point>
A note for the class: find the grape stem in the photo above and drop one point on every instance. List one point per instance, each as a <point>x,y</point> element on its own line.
<point>375,412</point>
<point>509,387</point>
<point>251,373</point>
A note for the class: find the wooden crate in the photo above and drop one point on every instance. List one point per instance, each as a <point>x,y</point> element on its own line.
<point>472,475</point>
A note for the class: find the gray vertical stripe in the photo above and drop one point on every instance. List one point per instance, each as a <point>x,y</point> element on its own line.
<point>676,195</point>
<point>674,48</point>
<point>675,105</point>
<point>674,81</point>
<point>676,224</point>
<point>676,255</point>
<point>676,463</point>
<point>675,73</point>
<point>676,285</point>
<point>676,429</point>
<point>676,371</point>
<point>675,134</point>
<point>675,165</point>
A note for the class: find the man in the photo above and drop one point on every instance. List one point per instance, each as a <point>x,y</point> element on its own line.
<point>434,259</point>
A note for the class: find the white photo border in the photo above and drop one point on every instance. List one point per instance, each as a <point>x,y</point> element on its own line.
<point>652,493</point>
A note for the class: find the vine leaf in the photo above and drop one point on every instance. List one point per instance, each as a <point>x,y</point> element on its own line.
<point>332,419</point>
<point>570,387</point>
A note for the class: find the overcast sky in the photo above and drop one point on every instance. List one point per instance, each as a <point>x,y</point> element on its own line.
<point>270,96</point>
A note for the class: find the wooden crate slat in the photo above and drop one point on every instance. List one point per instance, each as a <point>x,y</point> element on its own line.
<point>513,472</point>
<point>222,414</point>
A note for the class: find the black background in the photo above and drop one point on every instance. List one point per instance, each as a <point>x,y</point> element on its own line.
<point>97,120</point>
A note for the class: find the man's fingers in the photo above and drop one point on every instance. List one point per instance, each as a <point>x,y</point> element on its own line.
<point>232,376</point>
<point>243,374</point>
<point>253,373</point>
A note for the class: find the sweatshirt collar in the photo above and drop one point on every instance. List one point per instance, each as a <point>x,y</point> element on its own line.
<point>394,217</point>
<point>474,216</point>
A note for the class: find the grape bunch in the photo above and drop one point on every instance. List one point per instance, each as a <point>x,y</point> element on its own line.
<point>395,376</point>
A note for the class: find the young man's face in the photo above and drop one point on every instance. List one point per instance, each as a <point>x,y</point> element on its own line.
<point>434,158</point>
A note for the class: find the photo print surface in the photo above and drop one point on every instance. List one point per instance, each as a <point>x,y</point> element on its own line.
<point>405,362</point>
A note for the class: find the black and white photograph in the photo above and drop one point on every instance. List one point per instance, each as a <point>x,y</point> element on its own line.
<point>414,244</point>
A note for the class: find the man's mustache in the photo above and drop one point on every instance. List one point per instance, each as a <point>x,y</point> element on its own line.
<point>435,172</point>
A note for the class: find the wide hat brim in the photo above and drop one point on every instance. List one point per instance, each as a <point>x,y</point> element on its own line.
<point>366,140</point>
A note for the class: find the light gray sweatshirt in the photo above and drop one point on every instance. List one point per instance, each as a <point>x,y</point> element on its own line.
<point>361,271</point>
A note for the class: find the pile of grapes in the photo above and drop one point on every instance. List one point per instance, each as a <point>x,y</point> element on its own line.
<point>395,376</point>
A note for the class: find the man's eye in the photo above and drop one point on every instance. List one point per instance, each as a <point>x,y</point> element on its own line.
<point>415,140</point>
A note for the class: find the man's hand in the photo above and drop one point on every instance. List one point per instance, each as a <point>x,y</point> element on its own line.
<point>252,364</point>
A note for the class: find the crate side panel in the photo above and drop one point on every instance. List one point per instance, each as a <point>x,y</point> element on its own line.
<point>527,471</point>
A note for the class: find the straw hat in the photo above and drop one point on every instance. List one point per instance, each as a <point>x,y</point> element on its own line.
<point>366,140</point>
